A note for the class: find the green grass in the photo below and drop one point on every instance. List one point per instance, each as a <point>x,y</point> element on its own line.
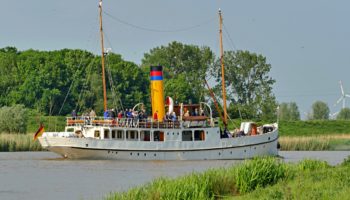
<point>260,178</point>
<point>314,127</point>
<point>18,142</point>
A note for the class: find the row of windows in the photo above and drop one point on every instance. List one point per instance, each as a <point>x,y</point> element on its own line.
<point>187,135</point>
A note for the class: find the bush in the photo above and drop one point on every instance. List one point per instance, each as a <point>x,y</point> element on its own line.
<point>13,119</point>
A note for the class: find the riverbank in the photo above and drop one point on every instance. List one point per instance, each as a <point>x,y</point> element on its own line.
<point>260,178</point>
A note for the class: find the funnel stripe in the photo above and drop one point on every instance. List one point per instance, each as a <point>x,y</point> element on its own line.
<point>156,73</point>
<point>156,78</point>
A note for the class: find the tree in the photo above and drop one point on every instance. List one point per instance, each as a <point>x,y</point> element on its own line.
<point>184,69</point>
<point>320,111</point>
<point>248,84</point>
<point>288,112</point>
<point>344,114</point>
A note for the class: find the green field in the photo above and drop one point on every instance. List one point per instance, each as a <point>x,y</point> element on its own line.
<point>260,178</point>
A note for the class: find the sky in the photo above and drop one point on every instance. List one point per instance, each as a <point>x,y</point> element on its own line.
<point>306,42</point>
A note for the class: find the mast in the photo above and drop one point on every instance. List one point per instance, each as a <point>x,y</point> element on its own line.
<point>222,72</point>
<point>103,61</point>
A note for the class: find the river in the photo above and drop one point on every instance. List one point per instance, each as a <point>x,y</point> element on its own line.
<point>44,175</point>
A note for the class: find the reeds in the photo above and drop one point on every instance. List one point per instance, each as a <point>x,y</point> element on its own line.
<point>18,142</point>
<point>314,143</point>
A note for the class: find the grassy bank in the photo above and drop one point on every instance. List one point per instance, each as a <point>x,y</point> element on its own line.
<point>315,143</point>
<point>314,128</point>
<point>18,142</point>
<point>261,178</point>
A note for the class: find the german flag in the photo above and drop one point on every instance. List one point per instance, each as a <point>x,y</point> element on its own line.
<point>39,132</point>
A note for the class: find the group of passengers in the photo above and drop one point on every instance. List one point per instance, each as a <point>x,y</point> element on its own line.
<point>194,113</point>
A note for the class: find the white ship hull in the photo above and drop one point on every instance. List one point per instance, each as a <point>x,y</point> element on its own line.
<point>171,148</point>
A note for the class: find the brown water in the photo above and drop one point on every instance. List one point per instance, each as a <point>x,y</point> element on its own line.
<point>44,175</point>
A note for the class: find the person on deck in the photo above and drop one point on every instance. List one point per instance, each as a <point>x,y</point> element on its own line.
<point>74,114</point>
<point>92,114</point>
<point>155,116</point>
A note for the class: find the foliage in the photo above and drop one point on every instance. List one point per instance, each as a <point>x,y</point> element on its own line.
<point>13,119</point>
<point>320,111</point>
<point>248,85</point>
<point>56,82</point>
<point>344,114</point>
<point>288,112</point>
<point>184,69</point>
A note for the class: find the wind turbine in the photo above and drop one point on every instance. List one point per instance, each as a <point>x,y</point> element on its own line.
<point>343,95</point>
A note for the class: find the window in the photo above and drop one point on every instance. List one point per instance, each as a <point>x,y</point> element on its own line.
<point>186,135</point>
<point>199,135</point>
<point>106,134</point>
<point>113,134</point>
<point>97,134</point>
<point>145,135</point>
<point>120,134</point>
<point>158,136</point>
<point>132,135</point>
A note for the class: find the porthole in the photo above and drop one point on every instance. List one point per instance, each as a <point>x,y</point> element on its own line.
<point>269,138</point>
<point>86,145</point>
<point>144,154</point>
<point>155,154</point>
<point>130,154</point>
<point>138,154</point>
<point>231,152</point>
<point>245,151</point>
<point>219,154</point>
<point>173,133</point>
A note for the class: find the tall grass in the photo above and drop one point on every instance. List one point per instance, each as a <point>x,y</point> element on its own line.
<point>212,184</point>
<point>18,142</point>
<point>315,143</point>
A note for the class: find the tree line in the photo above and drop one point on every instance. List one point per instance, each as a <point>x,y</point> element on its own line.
<point>319,111</point>
<point>57,82</point>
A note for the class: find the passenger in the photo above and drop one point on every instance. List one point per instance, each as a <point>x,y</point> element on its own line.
<point>196,112</point>
<point>201,112</point>
<point>74,114</point>
<point>155,115</point>
<point>105,114</point>
<point>92,114</point>
<point>187,114</point>
<point>120,115</point>
<point>173,117</point>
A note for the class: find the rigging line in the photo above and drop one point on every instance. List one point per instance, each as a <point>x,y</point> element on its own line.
<point>158,30</point>
<point>229,37</point>
<point>70,87</point>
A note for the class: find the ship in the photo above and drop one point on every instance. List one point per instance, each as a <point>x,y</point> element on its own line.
<point>170,133</point>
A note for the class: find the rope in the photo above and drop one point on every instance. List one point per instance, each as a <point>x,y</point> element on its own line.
<point>157,30</point>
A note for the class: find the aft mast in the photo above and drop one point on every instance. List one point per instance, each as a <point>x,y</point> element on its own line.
<point>103,60</point>
<point>222,72</point>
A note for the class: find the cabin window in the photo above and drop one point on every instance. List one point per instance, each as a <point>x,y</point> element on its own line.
<point>145,135</point>
<point>186,135</point>
<point>97,134</point>
<point>106,134</point>
<point>120,135</point>
<point>132,135</point>
<point>199,135</point>
<point>113,134</point>
<point>158,136</point>
<point>70,130</point>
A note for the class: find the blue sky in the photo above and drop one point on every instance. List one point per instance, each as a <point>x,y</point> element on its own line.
<point>306,42</point>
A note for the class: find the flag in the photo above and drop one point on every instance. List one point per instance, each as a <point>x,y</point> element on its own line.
<point>39,132</point>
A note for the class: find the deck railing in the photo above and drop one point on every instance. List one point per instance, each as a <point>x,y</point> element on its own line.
<point>131,122</point>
